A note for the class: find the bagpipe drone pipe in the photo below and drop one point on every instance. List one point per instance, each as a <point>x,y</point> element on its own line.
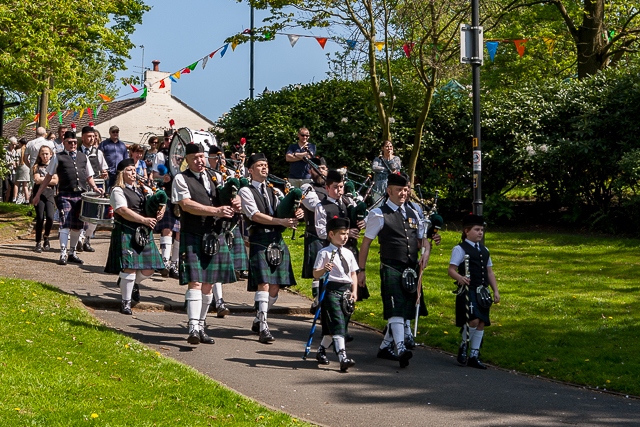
<point>289,200</point>
<point>155,198</point>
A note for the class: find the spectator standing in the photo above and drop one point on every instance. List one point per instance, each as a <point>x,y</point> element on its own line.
<point>12,159</point>
<point>33,147</point>
<point>382,166</point>
<point>296,153</point>
<point>22,175</point>
<point>136,152</point>
<point>59,145</point>
<point>114,152</point>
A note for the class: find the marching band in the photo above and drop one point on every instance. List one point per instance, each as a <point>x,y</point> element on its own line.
<point>220,221</point>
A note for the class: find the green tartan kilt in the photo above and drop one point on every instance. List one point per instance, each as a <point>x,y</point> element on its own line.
<point>475,312</point>
<point>396,302</point>
<point>259,269</point>
<point>238,251</point>
<point>334,321</point>
<point>195,266</point>
<point>125,253</point>
<point>312,245</point>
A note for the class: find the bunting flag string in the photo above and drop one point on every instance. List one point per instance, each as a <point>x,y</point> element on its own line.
<point>322,41</point>
<point>293,39</point>
<point>204,62</point>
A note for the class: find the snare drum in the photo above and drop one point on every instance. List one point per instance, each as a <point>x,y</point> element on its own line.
<point>95,209</point>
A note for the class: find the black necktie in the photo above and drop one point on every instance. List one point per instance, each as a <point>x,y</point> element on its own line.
<point>265,195</point>
<point>73,155</point>
<point>345,265</point>
<point>478,247</point>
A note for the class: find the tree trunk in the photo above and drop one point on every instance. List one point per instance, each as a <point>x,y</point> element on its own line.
<point>590,39</point>
<point>417,138</point>
<point>43,108</point>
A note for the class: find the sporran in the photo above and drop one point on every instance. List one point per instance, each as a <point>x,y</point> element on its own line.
<point>484,297</point>
<point>141,236</point>
<point>348,306</point>
<point>410,280</point>
<point>210,244</point>
<point>274,254</point>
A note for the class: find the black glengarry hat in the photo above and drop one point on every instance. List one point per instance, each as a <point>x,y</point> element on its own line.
<point>471,220</point>
<point>397,179</point>
<point>336,223</point>
<point>333,176</point>
<point>125,163</point>
<point>69,135</point>
<point>255,158</point>
<point>193,149</point>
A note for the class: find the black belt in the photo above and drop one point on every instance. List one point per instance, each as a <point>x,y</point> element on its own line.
<point>338,286</point>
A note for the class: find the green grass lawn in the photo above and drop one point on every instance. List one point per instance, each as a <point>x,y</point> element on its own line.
<point>570,306</point>
<point>60,367</point>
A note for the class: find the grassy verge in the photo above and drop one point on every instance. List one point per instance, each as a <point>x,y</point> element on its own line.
<point>14,219</point>
<point>60,367</point>
<point>570,306</point>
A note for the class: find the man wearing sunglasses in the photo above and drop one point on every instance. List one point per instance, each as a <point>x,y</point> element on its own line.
<point>114,152</point>
<point>75,176</point>
<point>296,154</point>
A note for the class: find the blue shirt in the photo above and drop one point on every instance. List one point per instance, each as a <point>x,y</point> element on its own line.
<point>114,153</point>
<point>300,169</point>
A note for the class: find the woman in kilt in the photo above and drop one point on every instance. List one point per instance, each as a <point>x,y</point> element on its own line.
<point>269,258</point>
<point>204,255</point>
<point>133,259</point>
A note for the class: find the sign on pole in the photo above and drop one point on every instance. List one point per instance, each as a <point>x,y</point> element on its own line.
<point>470,52</point>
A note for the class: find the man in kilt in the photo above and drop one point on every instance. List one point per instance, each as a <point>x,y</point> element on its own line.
<point>269,258</point>
<point>400,234</point>
<point>315,192</point>
<point>232,233</point>
<point>132,256</point>
<point>204,256</point>
<point>75,175</point>
<point>471,316</point>
<point>340,293</point>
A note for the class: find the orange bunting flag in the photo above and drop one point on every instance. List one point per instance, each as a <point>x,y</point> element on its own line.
<point>36,118</point>
<point>234,45</point>
<point>408,47</point>
<point>104,97</point>
<point>133,88</point>
<point>162,84</point>
<point>551,43</point>
<point>322,41</point>
<point>379,45</point>
<point>520,46</point>
<point>176,74</point>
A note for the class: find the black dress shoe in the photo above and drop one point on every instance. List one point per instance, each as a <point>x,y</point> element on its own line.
<point>321,357</point>
<point>125,307</point>
<point>221,309</point>
<point>63,259</point>
<point>474,362</point>
<point>409,342</point>
<point>74,259</point>
<point>206,339</point>
<point>348,337</point>
<point>387,353</point>
<point>78,247</point>
<point>255,327</point>
<point>462,354</point>
<point>404,357</point>
<point>346,364</point>
<point>266,337</point>
<point>135,293</point>
<point>87,247</point>
<point>194,337</point>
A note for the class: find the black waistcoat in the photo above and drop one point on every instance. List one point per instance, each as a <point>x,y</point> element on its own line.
<point>477,264</point>
<point>92,155</point>
<point>333,210</point>
<point>135,202</point>
<point>262,207</point>
<point>310,215</point>
<point>197,224</point>
<point>398,240</point>
<point>72,174</point>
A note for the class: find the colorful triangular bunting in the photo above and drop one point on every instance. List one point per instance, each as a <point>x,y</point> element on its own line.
<point>551,43</point>
<point>520,46</point>
<point>234,45</point>
<point>408,47</point>
<point>162,85</point>
<point>224,50</point>
<point>133,88</point>
<point>176,75</point>
<point>322,41</point>
<point>204,61</point>
<point>351,44</point>
<point>492,48</point>
<point>143,95</point>
<point>193,66</point>
<point>104,97</point>
<point>173,79</point>
<point>293,39</point>
<point>379,45</point>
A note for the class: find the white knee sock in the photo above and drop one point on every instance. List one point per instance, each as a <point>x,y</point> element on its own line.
<point>217,291</point>
<point>206,302</point>
<point>74,237</point>
<point>82,234</point>
<point>339,347</point>
<point>272,301</point>
<point>407,327</point>
<point>396,324</point>
<point>91,228</point>
<point>194,307</point>
<point>126,285</point>
<point>165,247</point>
<point>326,341</point>
<point>175,250</point>
<point>140,276</point>
<point>388,338</point>
<point>262,298</point>
<point>64,238</point>
<point>476,340</point>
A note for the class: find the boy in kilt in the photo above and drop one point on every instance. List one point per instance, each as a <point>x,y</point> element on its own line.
<point>204,256</point>
<point>133,259</point>
<point>400,234</point>
<point>341,284</point>
<point>269,258</point>
<point>315,193</point>
<point>74,174</point>
<point>470,314</point>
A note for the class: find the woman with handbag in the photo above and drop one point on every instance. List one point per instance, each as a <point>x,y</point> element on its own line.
<point>133,254</point>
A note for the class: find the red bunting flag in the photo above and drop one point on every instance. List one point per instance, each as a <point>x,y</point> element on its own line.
<point>51,115</point>
<point>162,84</point>
<point>520,46</point>
<point>408,47</point>
<point>135,89</point>
<point>186,71</point>
<point>322,41</point>
<point>90,112</point>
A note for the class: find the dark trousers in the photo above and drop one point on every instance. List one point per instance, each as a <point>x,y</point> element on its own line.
<point>44,211</point>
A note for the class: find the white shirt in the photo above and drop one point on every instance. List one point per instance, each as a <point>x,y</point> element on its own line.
<point>180,189</point>
<point>249,206</point>
<point>457,254</point>
<point>53,167</point>
<point>311,198</point>
<point>375,220</point>
<point>337,273</point>
<point>33,147</point>
<point>321,217</point>
<point>117,198</point>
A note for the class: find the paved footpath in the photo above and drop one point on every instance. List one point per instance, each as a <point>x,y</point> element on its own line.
<point>432,391</point>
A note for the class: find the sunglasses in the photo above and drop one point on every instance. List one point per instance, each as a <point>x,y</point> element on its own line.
<point>304,135</point>
<point>115,131</point>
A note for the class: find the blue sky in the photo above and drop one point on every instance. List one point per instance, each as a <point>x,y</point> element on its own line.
<point>179,33</point>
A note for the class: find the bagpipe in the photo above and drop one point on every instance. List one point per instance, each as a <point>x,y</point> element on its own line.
<point>290,200</point>
<point>155,198</point>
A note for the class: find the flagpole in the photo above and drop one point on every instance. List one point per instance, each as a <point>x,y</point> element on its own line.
<point>251,58</point>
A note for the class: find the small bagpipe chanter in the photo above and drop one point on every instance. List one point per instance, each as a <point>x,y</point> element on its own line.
<point>289,200</point>
<point>155,198</point>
